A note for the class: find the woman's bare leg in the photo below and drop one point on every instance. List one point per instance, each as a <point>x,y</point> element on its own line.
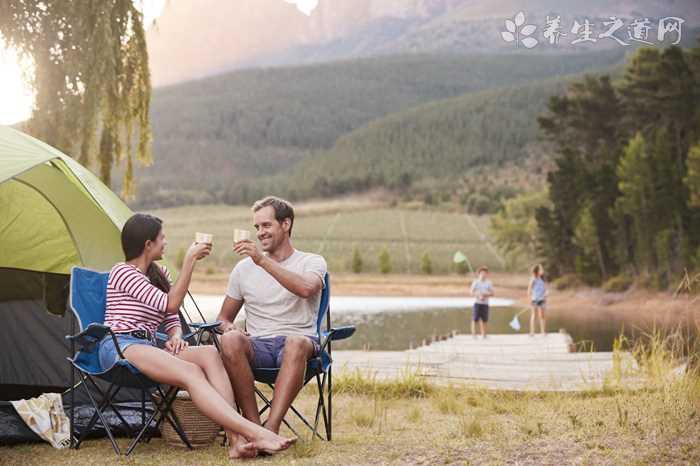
<point>207,358</point>
<point>166,368</point>
<point>532,320</point>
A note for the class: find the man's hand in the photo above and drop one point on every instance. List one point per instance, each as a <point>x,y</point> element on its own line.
<point>250,249</point>
<point>226,327</point>
<point>175,344</point>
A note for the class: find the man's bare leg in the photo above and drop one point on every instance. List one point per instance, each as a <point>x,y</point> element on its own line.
<point>237,355</point>
<point>482,326</point>
<point>297,351</point>
<point>473,328</point>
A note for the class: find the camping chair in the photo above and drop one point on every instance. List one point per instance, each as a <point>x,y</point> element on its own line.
<point>319,368</point>
<point>88,294</point>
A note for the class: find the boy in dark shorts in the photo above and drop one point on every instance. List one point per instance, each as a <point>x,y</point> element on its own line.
<point>482,290</point>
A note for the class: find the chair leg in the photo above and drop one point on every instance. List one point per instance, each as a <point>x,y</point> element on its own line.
<point>107,401</point>
<point>104,423</point>
<point>99,407</point>
<point>329,426</point>
<point>173,420</point>
<point>268,404</point>
<point>320,407</point>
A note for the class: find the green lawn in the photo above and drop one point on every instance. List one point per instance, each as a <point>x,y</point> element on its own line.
<point>334,232</point>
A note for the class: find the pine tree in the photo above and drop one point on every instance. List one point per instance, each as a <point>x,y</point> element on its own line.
<point>356,260</point>
<point>385,261</point>
<point>426,265</point>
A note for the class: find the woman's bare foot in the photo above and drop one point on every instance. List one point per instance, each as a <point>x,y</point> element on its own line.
<point>240,448</point>
<point>270,442</point>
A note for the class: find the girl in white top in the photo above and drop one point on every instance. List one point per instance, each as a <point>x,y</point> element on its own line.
<point>537,294</point>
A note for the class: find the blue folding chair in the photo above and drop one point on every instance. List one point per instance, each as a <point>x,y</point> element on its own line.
<point>319,368</point>
<point>88,296</point>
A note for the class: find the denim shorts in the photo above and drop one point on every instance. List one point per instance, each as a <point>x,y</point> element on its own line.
<point>542,303</point>
<point>108,353</point>
<point>268,351</point>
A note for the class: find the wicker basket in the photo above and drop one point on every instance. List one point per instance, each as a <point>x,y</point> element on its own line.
<point>200,430</point>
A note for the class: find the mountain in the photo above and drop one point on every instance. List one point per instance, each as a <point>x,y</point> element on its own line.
<point>216,137</point>
<point>222,35</point>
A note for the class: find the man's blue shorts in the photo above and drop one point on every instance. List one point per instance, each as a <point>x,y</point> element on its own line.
<point>268,351</point>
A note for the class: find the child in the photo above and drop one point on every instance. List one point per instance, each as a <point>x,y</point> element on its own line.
<point>537,293</point>
<point>482,290</point>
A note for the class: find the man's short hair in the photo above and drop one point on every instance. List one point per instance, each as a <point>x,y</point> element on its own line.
<point>482,268</point>
<point>283,209</point>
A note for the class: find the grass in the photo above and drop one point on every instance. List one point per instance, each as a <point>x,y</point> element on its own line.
<point>334,230</point>
<point>410,421</point>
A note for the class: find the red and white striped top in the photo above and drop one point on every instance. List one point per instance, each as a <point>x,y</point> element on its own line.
<point>133,303</point>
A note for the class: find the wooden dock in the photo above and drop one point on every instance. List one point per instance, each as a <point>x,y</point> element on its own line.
<point>500,362</point>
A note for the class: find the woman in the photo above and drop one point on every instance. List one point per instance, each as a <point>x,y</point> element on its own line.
<point>139,299</point>
<point>537,293</point>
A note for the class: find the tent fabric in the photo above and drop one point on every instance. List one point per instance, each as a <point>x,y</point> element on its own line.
<point>54,214</point>
<point>45,195</point>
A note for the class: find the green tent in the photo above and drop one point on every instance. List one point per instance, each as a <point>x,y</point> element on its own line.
<point>54,214</point>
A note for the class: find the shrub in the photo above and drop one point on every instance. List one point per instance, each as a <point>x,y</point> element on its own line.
<point>426,265</point>
<point>384,261</point>
<point>566,282</point>
<point>180,258</point>
<point>356,264</point>
<point>617,284</point>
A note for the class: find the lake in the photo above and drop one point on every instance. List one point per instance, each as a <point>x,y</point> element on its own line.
<point>398,323</point>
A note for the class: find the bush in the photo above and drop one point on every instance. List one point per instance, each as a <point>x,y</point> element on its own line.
<point>566,282</point>
<point>426,265</point>
<point>462,268</point>
<point>356,264</point>
<point>180,258</point>
<point>617,284</point>
<point>384,261</point>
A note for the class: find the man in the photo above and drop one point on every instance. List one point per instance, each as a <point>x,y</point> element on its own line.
<point>482,290</point>
<point>281,289</point>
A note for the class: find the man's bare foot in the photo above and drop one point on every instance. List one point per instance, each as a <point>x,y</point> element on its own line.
<point>270,442</point>
<point>240,448</point>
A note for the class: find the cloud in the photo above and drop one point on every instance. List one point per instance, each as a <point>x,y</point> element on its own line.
<point>305,6</point>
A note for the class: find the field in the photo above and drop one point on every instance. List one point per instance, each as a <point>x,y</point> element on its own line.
<point>335,229</point>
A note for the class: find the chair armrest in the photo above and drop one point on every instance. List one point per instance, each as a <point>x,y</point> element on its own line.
<point>92,335</point>
<point>341,333</point>
<point>336,333</point>
<point>201,327</point>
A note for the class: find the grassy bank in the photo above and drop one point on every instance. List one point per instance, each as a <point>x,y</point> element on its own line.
<point>409,421</point>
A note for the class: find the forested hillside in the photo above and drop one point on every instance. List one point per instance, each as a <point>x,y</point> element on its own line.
<point>217,136</point>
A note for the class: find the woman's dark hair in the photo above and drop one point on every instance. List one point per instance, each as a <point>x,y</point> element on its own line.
<point>137,230</point>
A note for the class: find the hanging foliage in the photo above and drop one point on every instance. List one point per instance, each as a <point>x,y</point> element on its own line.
<point>90,77</point>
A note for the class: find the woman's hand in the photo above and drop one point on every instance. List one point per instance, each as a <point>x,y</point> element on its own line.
<point>199,251</point>
<point>175,344</point>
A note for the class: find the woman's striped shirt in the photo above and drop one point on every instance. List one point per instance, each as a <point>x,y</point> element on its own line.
<point>134,303</point>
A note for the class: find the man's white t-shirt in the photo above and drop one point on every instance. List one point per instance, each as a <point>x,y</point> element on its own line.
<point>271,309</point>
